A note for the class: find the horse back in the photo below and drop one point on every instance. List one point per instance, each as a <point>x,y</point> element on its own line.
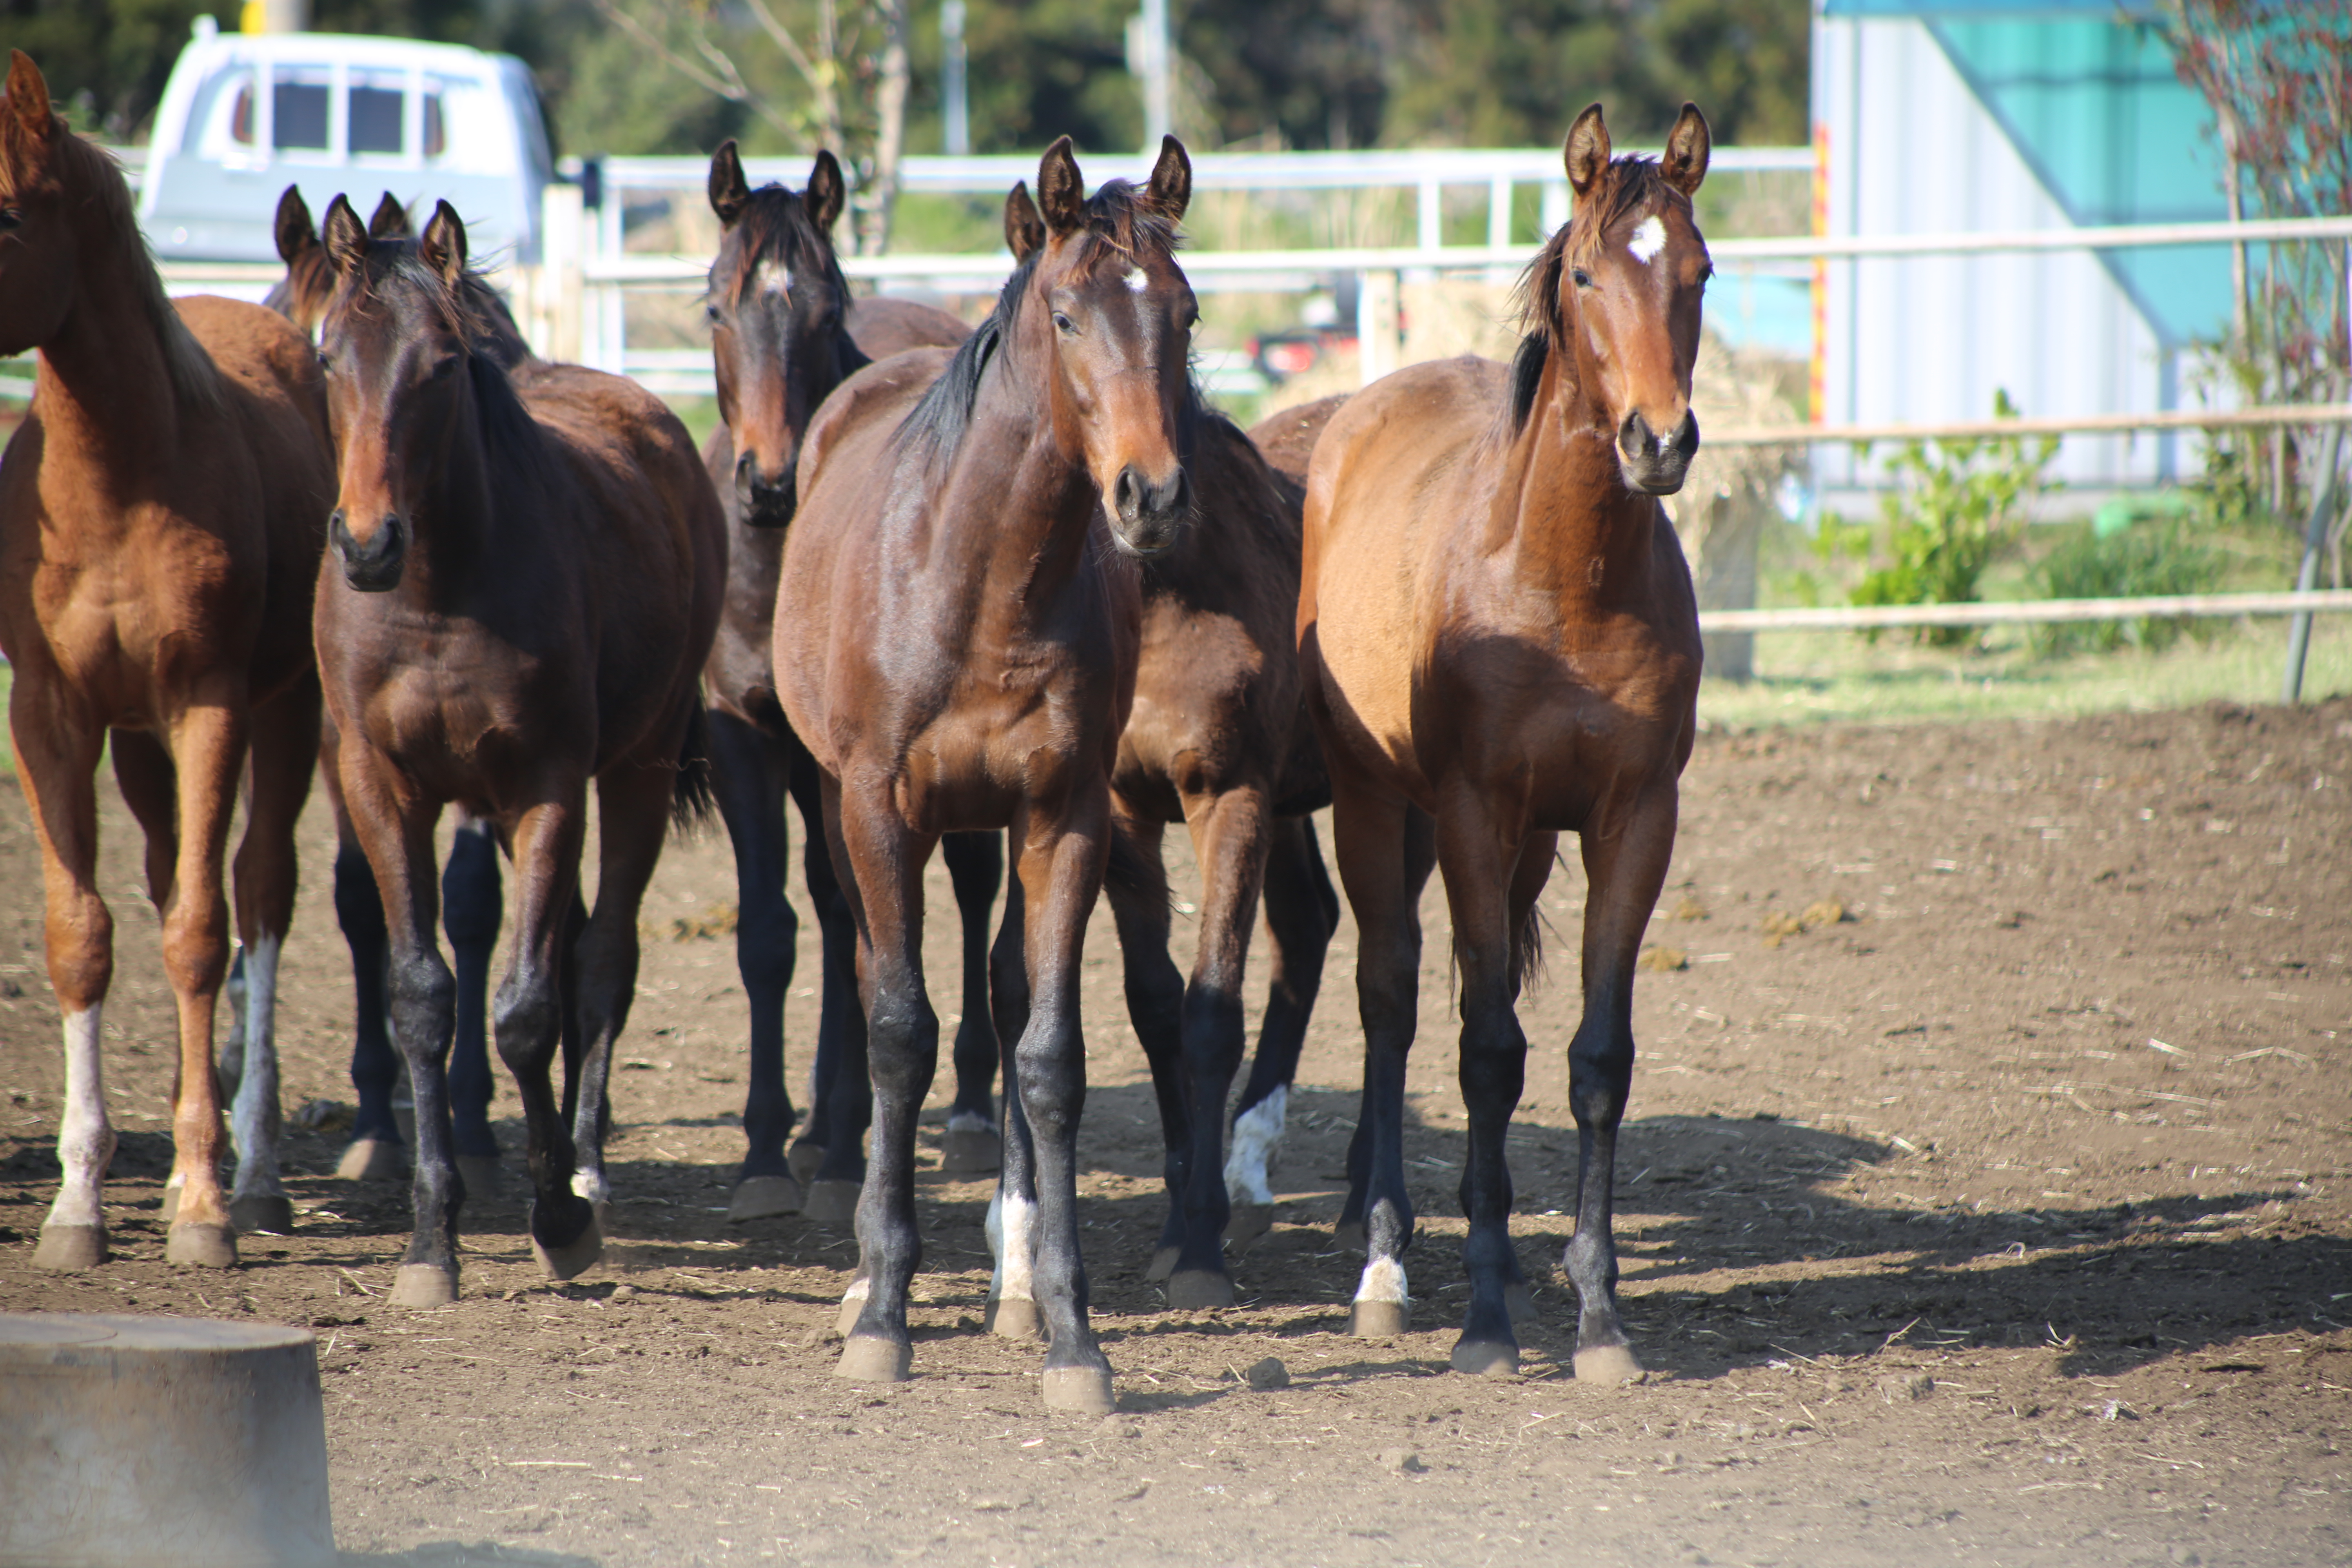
<point>882,326</point>
<point>1287,437</point>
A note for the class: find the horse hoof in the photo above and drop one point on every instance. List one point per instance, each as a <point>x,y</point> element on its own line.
<point>763,1197</point>
<point>804,1160</point>
<point>195,1245</point>
<point>831,1203</point>
<point>1519,1300</point>
<point>1484,1357</point>
<point>568,1260</point>
<point>865,1359</point>
<point>262,1216</point>
<point>1608,1365</point>
<point>1348,1236</point>
<point>1380,1320</point>
<point>1164,1264</point>
<point>1015,1318</point>
<point>1199,1289</point>
<point>483,1175</point>
<point>424,1285</point>
<point>70,1248</point>
<point>1081,1390</point>
<point>373,1159</point>
<point>1247,1223</point>
<point>971,1152</point>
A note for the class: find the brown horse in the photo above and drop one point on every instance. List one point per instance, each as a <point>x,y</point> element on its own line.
<point>527,571</point>
<point>160,516</point>
<point>1217,742</point>
<point>785,331</point>
<point>956,632</point>
<point>1500,643</point>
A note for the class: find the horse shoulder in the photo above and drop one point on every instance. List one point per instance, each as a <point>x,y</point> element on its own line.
<point>884,390</point>
<point>882,326</point>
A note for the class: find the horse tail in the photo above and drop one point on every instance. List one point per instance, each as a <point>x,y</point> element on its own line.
<point>1134,873</point>
<point>1528,950</point>
<point>694,801</point>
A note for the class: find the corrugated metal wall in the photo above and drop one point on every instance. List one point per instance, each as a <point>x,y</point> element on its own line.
<point>1911,151</point>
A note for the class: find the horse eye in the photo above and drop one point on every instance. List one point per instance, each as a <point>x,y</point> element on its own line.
<point>1064,322</point>
<point>1583,279</point>
<point>711,312</point>
<point>442,369</point>
<point>10,218</point>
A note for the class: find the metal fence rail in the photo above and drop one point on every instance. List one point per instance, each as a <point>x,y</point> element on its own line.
<point>1879,617</point>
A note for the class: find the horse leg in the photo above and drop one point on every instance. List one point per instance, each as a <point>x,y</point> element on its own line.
<point>375,1152</point>
<point>208,750</point>
<point>284,755</point>
<point>841,1103</point>
<point>1011,1224</point>
<point>1229,841</point>
<point>748,770</point>
<point>1385,850</point>
<point>1301,912</point>
<point>472,903</point>
<point>1481,854</point>
<point>1155,1006</point>
<point>150,785</point>
<point>976,866</point>
<point>1627,845</point>
<point>57,761</point>
<point>1062,866</point>
<point>601,971</point>
<point>1536,857</point>
<point>885,863</point>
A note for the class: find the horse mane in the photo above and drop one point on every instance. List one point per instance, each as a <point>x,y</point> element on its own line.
<point>1633,183</point>
<point>1125,229</point>
<point>775,224</point>
<point>90,173</point>
<point>474,310</point>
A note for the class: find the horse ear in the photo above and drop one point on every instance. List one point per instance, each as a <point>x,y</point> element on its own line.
<point>1587,153</point>
<point>389,219</point>
<point>827,191</point>
<point>296,233</point>
<point>443,246</point>
<point>1687,145</point>
<point>1024,231</point>
<point>729,189</point>
<point>1061,189</point>
<point>28,95</point>
<point>1171,181</point>
<point>345,237</point>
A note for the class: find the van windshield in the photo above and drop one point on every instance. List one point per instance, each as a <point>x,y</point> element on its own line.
<point>298,111</point>
<point>378,104</point>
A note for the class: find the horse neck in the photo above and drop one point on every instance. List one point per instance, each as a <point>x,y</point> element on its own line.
<point>1046,508</point>
<point>1573,529</point>
<point>107,398</point>
<point>463,524</point>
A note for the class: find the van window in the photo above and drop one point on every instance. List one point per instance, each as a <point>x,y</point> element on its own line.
<point>437,130</point>
<point>377,106</point>
<point>298,109</point>
<point>240,115</point>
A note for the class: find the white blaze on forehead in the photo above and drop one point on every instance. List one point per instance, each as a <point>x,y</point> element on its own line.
<point>1649,238</point>
<point>1138,279</point>
<point>773,277</point>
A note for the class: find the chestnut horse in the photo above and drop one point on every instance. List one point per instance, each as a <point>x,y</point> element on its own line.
<point>471,892</point>
<point>160,513</point>
<point>1217,742</point>
<point>955,634</point>
<point>1500,643</point>
<point>784,331</point>
<point>527,571</point>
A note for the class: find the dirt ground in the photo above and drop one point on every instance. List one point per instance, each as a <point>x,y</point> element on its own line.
<point>2004,1218</point>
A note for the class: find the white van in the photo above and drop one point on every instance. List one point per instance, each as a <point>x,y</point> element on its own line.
<point>244,115</point>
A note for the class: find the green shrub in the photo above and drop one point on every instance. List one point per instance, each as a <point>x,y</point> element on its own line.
<point>2158,555</point>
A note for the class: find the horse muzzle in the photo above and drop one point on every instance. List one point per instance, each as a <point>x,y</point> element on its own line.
<point>1654,463</point>
<point>764,502</point>
<point>371,565</point>
<point>1150,514</point>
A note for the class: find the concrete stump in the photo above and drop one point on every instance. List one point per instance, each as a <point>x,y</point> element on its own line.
<point>128,1441</point>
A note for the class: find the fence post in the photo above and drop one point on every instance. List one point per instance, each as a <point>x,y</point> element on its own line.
<point>1376,324</point>
<point>2315,538</point>
<point>552,321</point>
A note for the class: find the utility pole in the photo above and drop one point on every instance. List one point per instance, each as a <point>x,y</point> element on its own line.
<point>957,102</point>
<point>1148,56</point>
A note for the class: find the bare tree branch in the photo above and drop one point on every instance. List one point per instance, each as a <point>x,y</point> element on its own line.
<point>728,84</point>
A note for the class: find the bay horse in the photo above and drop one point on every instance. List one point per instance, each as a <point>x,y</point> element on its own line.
<point>1500,643</point>
<point>784,332</point>
<point>159,512</point>
<point>956,624</point>
<point>1218,742</point>
<point>472,894</point>
<point>527,576</point>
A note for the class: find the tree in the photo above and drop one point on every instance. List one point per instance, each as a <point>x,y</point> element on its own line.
<point>105,64</point>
